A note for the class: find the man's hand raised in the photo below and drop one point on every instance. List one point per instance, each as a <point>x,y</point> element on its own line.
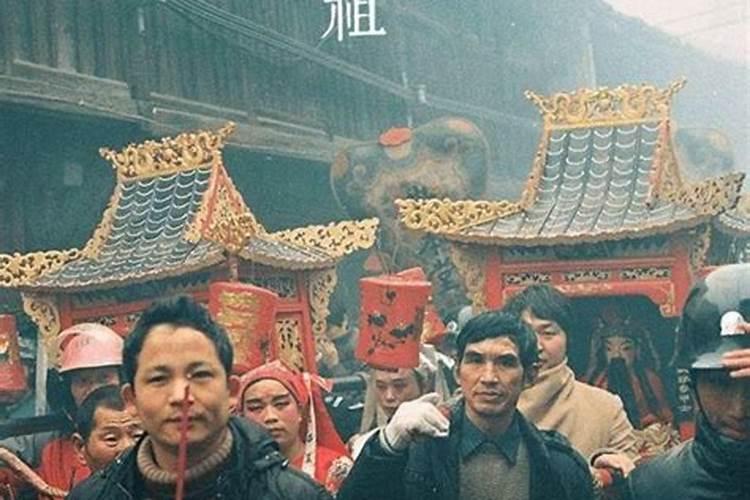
<point>417,418</point>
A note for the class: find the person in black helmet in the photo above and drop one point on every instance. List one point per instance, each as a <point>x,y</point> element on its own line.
<point>714,341</point>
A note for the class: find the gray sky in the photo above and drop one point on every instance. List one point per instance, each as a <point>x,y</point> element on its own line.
<point>720,27</point>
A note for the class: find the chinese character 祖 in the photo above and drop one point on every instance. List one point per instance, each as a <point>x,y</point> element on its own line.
<point>353,18</point>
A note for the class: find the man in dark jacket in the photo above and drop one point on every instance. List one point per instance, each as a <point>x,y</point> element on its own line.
<point>177,359</point>
<point>479,447</point>
<point>713,337</point>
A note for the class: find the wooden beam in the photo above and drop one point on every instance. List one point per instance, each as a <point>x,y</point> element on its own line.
<point>62,35</point>
<point>8,34</point>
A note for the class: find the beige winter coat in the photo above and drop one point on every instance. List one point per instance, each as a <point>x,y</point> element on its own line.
<point>591,418</point>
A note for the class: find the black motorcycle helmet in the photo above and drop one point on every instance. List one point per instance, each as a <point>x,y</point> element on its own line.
<point>700,339</point>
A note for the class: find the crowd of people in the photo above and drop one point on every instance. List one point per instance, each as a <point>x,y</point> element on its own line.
<point>161,415</point>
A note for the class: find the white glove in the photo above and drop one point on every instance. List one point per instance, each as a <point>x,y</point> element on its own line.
<point>412,419</point>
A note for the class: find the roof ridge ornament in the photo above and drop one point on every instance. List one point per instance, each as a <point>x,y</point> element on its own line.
<point>606,106</point>
<point>451,217</point>
<point>337,239</point>
<point>711,196</point>
<point>186,151</point>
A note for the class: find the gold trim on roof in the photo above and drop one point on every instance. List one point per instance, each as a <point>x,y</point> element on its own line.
<point>230,226</point>
<point>101,233</point>
<point>168,155</point>
<point>43,310</point>
<point>335,239</point>
<point>710,196</point>
<point>604,106</point>
<point>452,217</point>
<point>20,269</point>
<point>469,262</point>
<point>528,196</point>
<point>666,176</point>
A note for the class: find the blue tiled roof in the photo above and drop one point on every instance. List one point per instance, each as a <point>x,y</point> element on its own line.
<point>146,241</point>
<point>146,238</point>
<point>594,186</point>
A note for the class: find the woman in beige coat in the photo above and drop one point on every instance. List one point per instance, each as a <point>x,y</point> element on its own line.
<point>592,419</point>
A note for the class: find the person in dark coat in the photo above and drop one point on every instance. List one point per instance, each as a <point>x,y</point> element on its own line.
<point>714,341</point>
<point>178,358</point>
<point>477,446</point>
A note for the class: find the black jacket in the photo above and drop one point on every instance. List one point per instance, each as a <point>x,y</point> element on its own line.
<point>707,468</point>
<point>255,470</point>
<point>430,469</point>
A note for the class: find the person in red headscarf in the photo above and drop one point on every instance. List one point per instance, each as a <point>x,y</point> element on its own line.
<point>290,407</point>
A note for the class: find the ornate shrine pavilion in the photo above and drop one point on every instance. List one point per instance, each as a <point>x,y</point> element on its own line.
<point>174,224</point>
<point>606,209</point>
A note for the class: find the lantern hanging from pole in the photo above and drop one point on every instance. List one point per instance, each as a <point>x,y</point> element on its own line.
<point>12,376</point>
<point>248,314</point>
<point>391,319</point>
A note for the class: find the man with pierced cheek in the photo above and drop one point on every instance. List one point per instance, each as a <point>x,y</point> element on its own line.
<point>177,365</point>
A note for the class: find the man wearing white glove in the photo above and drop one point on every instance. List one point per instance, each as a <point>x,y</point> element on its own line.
<point>412,419</point>
<point>479,446</point>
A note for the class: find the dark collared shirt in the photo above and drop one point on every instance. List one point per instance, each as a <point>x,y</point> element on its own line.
<point>507,444</point>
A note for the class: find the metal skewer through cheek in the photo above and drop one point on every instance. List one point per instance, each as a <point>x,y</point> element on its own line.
<point>182,449</point>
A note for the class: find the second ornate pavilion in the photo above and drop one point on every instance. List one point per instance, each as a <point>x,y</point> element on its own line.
<point>606,210</point>
<point>175,223</point>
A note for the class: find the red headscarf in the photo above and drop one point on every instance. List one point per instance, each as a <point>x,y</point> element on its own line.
<point>306,390</point>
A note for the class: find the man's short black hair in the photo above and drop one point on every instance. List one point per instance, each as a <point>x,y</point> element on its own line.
<point>181,311</point>
<point>547,303</point>
<point>107,396</point>
<point>494,324</point>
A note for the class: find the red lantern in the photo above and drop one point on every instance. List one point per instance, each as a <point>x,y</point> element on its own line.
<point>248,314</point>
<point>433,329</point>
<point>391,320</point>
<point>12,375</point>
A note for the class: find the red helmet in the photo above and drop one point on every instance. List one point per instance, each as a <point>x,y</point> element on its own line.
<point>88,345</point>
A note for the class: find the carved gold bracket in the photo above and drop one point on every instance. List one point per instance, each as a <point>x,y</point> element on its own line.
<point>699,243</point>
<point>21,269</point>
<point>469,262</point>
<point>321,285</point>
<point>43,310</point>
<point>183,152</point>
<point>336,239</point>
<point>604,106</point>
<point>451,217</point>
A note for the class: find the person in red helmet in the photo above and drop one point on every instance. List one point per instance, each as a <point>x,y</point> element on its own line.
<point>89,356</point>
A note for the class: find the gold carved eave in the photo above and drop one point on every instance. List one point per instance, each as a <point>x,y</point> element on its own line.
<point>336,239</point>
<point>708,197</point>
<point>470,264</point>
<point>18,270</point>
<point>602,107</point>
<point>42,309</point>
<point>186,151</point>
<point>452,217</point>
